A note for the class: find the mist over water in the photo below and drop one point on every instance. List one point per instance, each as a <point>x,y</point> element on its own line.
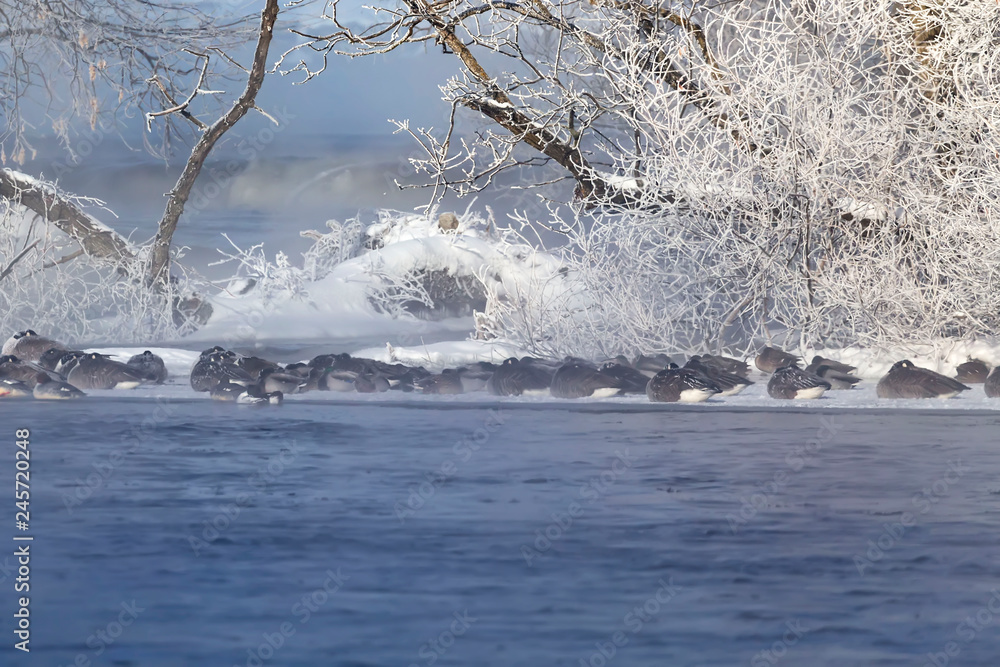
<point>258,191</point>
<point>252,190</point>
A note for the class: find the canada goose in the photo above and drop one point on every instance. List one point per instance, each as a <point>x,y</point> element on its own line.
<point>651,365</point>
<point>68,361</point>
<point>12,368</point>
<point>725,364</point>
<point>576,379</point>
<point>672,385</point>
<point>621,360</point>
<point>449,381</point>
<point>838,366</point>
<point>632,381</point>
<point>837,379</point>
<point>29,346</point>
<point>790,382</point>
<point>546,365</point>
<point>973,371</point>
<point>53,390</point>
<point>150,364</point>
<point>729,384</point>
<point>52,356</point>
<point>213,369</point>
<point>771,359</point>
<point>95,371</point>
<point>514,378</point>
<point>992,384</point>
<point>904,380</point>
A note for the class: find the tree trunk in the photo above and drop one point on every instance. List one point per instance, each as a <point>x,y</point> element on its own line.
<point>96,239</point>
<point>159,265</point>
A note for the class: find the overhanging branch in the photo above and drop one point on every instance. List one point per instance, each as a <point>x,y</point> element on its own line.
<point>96,239</point>
<point>159,270</point>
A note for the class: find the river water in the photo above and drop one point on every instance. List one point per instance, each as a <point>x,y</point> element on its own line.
<point>187,532</point>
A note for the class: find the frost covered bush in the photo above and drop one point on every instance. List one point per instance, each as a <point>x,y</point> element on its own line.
<point>51,286</point>
<point>865,211</point>
<point>343,242</point>
<point>427,293</point>
<point>808,173</point>
<point>835,183</point>
<point>269,280</point>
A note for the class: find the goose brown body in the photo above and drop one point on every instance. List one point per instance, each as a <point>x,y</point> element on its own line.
<point>905,380</point>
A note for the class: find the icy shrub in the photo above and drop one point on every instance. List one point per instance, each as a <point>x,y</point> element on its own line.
<point>805,173</point>
<point>826,174</point>
<point>266,279</point>
<point>343,242</point>
<point>50,285</point>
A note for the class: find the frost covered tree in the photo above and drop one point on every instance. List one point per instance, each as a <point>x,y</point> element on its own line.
<point>823,173</point>
<point>98,64</point>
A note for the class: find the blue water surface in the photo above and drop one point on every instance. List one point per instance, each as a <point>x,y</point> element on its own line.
<point>195,533</point>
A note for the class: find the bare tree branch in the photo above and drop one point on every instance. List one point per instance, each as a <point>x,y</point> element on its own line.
<point>18,258</point>
<point>159,263</point>
<point>96,239</point>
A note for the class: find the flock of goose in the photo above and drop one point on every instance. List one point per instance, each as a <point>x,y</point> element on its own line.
<point>33,365</point>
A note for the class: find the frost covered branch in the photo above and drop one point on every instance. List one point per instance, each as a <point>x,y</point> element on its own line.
<point>158,272</point>
<point>819,173</point>
<point>86,59</point>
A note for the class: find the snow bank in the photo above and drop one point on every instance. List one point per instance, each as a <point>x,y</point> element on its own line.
<point>449,354</point>
<point>365,295</point>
